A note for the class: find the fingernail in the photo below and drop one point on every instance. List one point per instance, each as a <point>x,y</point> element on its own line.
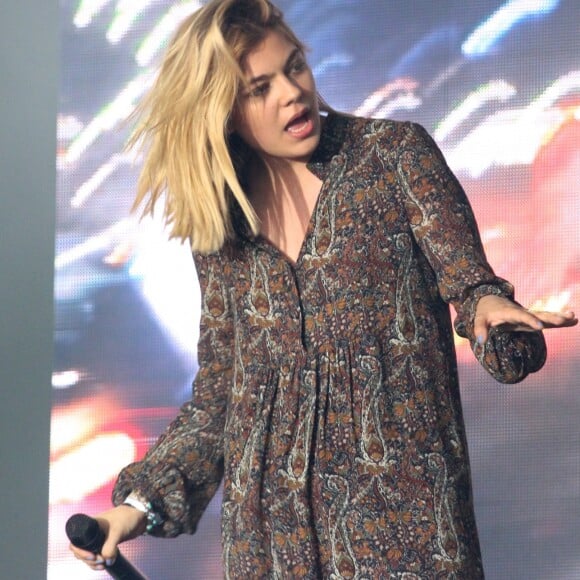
<point>480,339</point>
<point>110,561</point>
<point>98,560</point>
<point>90,558</point>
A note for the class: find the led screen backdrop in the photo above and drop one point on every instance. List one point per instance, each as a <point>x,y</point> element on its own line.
<point>498,85</point>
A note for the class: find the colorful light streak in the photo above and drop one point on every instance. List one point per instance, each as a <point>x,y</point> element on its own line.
<point>379,100</point>
<point>89,467</point>
<point>79,421</point>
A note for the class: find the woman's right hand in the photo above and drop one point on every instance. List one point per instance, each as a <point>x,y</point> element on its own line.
<point>118,524</point>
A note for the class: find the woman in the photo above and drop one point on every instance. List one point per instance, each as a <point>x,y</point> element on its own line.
<point>327,249</point>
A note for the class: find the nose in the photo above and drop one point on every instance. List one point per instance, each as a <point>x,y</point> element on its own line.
<point>290,90</point>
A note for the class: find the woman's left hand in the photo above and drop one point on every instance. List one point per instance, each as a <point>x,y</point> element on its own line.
<point>500,312</point>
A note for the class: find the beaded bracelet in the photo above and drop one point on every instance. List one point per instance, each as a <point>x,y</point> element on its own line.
<point>153,518</point>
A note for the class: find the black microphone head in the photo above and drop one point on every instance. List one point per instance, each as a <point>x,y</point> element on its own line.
<point>84,532</point>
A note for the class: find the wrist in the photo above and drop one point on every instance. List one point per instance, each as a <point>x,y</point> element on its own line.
<point>152,518</point>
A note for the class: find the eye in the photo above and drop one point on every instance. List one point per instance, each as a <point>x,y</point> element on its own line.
<point>297,66</point>
<point>260,90</point>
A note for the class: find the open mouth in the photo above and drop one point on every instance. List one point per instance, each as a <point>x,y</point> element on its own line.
<point>301,125</point>
<point>297,122</point>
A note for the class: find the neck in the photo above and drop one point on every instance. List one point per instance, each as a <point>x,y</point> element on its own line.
<point>277,177</point>
<point>277,168</point>
<point>284,196</point>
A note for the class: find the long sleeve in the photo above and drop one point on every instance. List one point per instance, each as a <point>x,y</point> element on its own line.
<point>446,231</point>
<point>180,474</point>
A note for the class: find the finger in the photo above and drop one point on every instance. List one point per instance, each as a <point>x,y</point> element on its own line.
<point>511,319</point>
<point>480,329</point>
<point>547,319</point>
<point>84,555</point>
<point>110,550</point>
<point>557,319</point>
<point>93,561</point>
<point>98,564</point>
<point>519,319</point>
<point>81,554</point>
<point>508,320</point>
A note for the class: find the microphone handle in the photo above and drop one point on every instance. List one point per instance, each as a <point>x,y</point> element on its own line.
<point>85,533</point>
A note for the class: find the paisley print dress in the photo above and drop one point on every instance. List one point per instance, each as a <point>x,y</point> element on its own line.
<point>327,397</point>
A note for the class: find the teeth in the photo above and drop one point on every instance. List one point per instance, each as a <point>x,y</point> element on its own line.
<point>294,127</point>
<point>297,128</point>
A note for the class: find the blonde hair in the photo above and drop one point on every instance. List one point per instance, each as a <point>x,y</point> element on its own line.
<point>182,123</point>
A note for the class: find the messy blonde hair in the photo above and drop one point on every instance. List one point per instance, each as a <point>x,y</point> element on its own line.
<point>182,123</point>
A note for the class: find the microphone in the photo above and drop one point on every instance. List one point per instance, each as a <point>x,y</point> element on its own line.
<point>85,533</point>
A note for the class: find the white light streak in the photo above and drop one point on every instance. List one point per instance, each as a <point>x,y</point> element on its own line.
<point>126,12</point>
<point>502,21</point>
<point>162,31</point>
<point>495,90</point>
<point>67,127</point>
<point>566,84</point>
<point>89,187</point>
<point>336,59</point>
<point>93,244</point>
<point>117,110</point>
<point>169,283</point>
<point>491,234</point>
<point>405,102</point>
<point>87,10</point>
<point>65,379</point>
<point>503,139</point>
<point>555,303</point>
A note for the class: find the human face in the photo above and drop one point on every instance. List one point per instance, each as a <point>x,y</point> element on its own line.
<point>277,111</point>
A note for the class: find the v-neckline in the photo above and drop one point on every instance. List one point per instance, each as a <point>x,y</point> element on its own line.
<point>307,234</point>
<point>331,140</point>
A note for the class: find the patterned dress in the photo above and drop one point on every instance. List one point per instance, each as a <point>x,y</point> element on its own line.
<point>327,396</point>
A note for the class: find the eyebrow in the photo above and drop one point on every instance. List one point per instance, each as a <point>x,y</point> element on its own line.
<point>266,77</point>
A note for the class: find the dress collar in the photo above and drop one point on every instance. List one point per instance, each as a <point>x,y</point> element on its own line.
<point>332,137</point>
